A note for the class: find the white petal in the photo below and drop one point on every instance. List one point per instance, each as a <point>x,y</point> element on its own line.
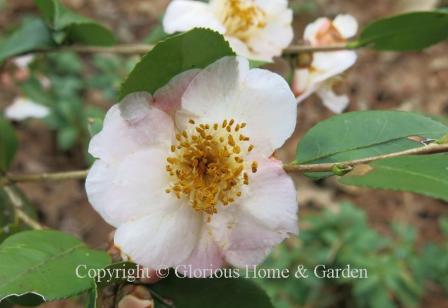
<point>128,189</point>
<point>313,28</point>
<point>168,98</point>
<point>265,216</point>
<point>273,7</point>
<point>330,64</point>
<point>347,25</point>
<point>241,49</point>
<point>162,238</point>
<point>334,102</point>
<point>184,15</point>
<point>134,125</point>
<point>23,108</point>
<point>228,89</point>
<point>270,41</point>
<point>206,257</point>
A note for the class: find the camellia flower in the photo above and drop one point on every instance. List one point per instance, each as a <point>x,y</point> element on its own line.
<point>23,108</point>
<point>255,29</point>
<point>320,72</point>
<point>187,175</point>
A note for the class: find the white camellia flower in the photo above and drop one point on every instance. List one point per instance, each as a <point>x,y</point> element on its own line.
<point>23,108</point>
<point>255,29</point>
<point>320,74</point>
<point>187,175</point>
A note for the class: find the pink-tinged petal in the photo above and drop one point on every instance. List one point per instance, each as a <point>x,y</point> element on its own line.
<point>128,189</point>
<point>169,97</point>
<point>227,89</point>
<point>184,15</point>
<point>312,29</point>
<point>162,238</point>
<point>249,257</point>
<point>334,102</point>
<point>265,215</point>
<point>347,25</point>
<point>205,258</point>
<point>270,41</point>
<point>133,125</point>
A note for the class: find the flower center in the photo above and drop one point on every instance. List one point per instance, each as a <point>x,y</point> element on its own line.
<point>207,166</point>
<point>242,17</point>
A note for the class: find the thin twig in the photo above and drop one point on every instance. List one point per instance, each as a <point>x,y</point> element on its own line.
<point>144,48</point>
<point>324,167</point>
<point>51,177</point>
<point>18,209</point>
<point>347,165</point>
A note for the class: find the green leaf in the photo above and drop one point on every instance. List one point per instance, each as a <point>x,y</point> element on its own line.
<point>406,32</point>
<point>90,33</point>
<point>424,174</point>
<point>44,263</point>
<point>8,144</point>
<point>193,49</point>
<point>32,34</point>
<point>71,27</point>
<point>213,292</point>
<point>356,135</point>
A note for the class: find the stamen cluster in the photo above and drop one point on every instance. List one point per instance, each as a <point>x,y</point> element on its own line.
<point>207,165</point>
<point>242,17</point>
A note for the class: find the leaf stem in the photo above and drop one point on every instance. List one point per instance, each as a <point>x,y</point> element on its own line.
<point>9,179</point>
<point>144,48</point>
<point>348,165</point>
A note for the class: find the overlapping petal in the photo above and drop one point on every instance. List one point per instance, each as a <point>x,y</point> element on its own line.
<point>228,89</point>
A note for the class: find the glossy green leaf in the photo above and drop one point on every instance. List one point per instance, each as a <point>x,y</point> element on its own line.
<point>32,34</point>
<point>356,135</point>
<point>8,144</point>
<point>423,174</point>
<point>406,32</point>
<point>44,263</point>
<point>213,292</point>
<point>70,27</point>
<point>193,49</point>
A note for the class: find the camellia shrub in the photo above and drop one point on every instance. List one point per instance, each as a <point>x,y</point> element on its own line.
<point>185,168</point>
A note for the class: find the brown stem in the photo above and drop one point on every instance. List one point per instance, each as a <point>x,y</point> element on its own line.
<point>347,165</point>
<point>59,176</point>
<point>144,48</point>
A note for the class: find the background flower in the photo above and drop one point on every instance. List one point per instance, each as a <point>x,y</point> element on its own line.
<point>256,29</point>
<point>23,108</point>
<point>320,75</point>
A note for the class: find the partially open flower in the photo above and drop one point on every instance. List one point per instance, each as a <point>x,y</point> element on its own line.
<point>256,29</point>
<point>319,73</point>
<point>23,108</point>
<point>187,175</point>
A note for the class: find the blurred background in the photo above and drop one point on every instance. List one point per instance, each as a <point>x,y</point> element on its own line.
<point>401,238</point>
